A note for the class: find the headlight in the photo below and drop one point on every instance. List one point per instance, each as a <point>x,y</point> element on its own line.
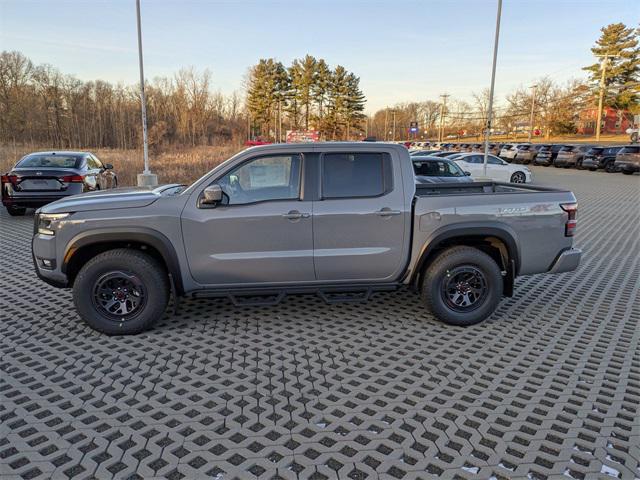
<point>47,222</point>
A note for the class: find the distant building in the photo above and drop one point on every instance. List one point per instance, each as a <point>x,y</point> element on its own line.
<point>613,121</point>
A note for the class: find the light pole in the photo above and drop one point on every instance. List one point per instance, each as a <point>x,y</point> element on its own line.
<point>533,105</point>
<point>146,178</point>
<point>491,90</point>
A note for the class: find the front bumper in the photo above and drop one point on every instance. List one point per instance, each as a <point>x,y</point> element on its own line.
<point>567,261</point>
<point>44,247</point>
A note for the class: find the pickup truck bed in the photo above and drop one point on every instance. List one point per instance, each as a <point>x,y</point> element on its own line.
<point>331,218</point>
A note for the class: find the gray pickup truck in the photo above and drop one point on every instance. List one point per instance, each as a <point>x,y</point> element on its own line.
<point>342,220</point>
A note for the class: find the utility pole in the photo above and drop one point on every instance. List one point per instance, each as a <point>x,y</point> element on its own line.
<point>386,124</point>
<point>533,105</point>
<point>394,124</point>
<point>491,90</point>
<point>603,67</point>
<point>443,107</point>
<point>146,178</point>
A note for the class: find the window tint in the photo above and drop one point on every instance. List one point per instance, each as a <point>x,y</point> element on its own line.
<point>354,174</point>
<point>261,179</point>
<point>493,160</point>
<point>50,160</point>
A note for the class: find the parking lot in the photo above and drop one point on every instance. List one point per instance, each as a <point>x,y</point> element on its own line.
<point>549,386</point>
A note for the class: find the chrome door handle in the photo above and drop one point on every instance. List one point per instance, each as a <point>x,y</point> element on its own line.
<point>295,215</point>
<point>387,212</point>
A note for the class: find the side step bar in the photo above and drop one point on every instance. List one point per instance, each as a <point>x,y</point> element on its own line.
<point>268,296</point>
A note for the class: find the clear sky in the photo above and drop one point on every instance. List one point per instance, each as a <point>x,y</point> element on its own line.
<point>401,50</point>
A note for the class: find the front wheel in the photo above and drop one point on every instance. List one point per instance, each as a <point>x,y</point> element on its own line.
<point>627,172</point>
<point>610,167</point>
<point>462,286</point>
<point>121,292</point>
<point>518,177</point>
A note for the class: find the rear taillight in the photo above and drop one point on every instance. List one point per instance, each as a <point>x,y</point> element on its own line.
<point>72,179</point>
<point>572,222</point>
<point>12,179</point>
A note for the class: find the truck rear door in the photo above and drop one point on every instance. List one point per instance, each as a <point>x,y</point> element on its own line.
<point>360,217</point>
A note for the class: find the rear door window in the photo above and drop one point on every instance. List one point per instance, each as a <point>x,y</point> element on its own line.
<point>355,175</point>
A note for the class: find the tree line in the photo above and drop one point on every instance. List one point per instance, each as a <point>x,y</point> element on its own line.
<point>40,105</point>
<point>306,95</point>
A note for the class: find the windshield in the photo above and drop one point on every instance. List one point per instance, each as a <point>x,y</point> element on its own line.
<point>437,168</point>
<point>44,160</point>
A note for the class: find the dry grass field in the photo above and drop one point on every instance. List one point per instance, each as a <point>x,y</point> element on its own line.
<point>176,165</point>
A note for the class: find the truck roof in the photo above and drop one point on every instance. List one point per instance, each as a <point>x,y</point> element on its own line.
<point>328,145</point>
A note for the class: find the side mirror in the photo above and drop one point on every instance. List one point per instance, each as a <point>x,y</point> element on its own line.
<point>211,195</point>
<point>108,166</point>
<point>468,174</point>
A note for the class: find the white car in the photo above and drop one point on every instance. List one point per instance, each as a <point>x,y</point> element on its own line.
<point>497,169</point>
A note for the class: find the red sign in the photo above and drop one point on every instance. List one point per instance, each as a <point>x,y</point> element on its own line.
<point>537,132</point>
<point>303,136</point>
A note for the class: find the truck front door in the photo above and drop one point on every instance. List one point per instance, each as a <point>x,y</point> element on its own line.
<point>359,218</point>
<point>261,230</point>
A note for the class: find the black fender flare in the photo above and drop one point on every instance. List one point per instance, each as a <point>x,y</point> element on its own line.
<point>476,229</point>
<point>142,235</point>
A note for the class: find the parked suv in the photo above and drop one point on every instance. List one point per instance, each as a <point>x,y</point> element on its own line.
<point>525,154</point>
<point>601,157</point>
<point>508,151</point>
<point>571,156</point>
<point>628,159</point>
<point>547,155</point>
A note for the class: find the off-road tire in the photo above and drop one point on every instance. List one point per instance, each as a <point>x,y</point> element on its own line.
<point>146,269</point>
<point>435,278</point>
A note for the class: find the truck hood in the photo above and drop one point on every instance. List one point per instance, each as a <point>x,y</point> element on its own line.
<point>104,200</point>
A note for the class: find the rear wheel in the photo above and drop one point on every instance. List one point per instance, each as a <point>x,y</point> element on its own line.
<point>16,211</point>
<point>610,167</point>
<point>579,165</point>
<point>627,172</point>
<point>121,292</point>
<point>462,286</point>
<point>518,177</point>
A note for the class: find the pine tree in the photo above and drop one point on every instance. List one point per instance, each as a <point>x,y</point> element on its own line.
<point>321,87</point>
<point>620,45</point>
<point>355,101</point>
<point>267,91</point>
<point>303,80</point>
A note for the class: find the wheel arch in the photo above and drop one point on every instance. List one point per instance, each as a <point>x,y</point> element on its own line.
<point>497,241</point>
<point>87,245</point>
